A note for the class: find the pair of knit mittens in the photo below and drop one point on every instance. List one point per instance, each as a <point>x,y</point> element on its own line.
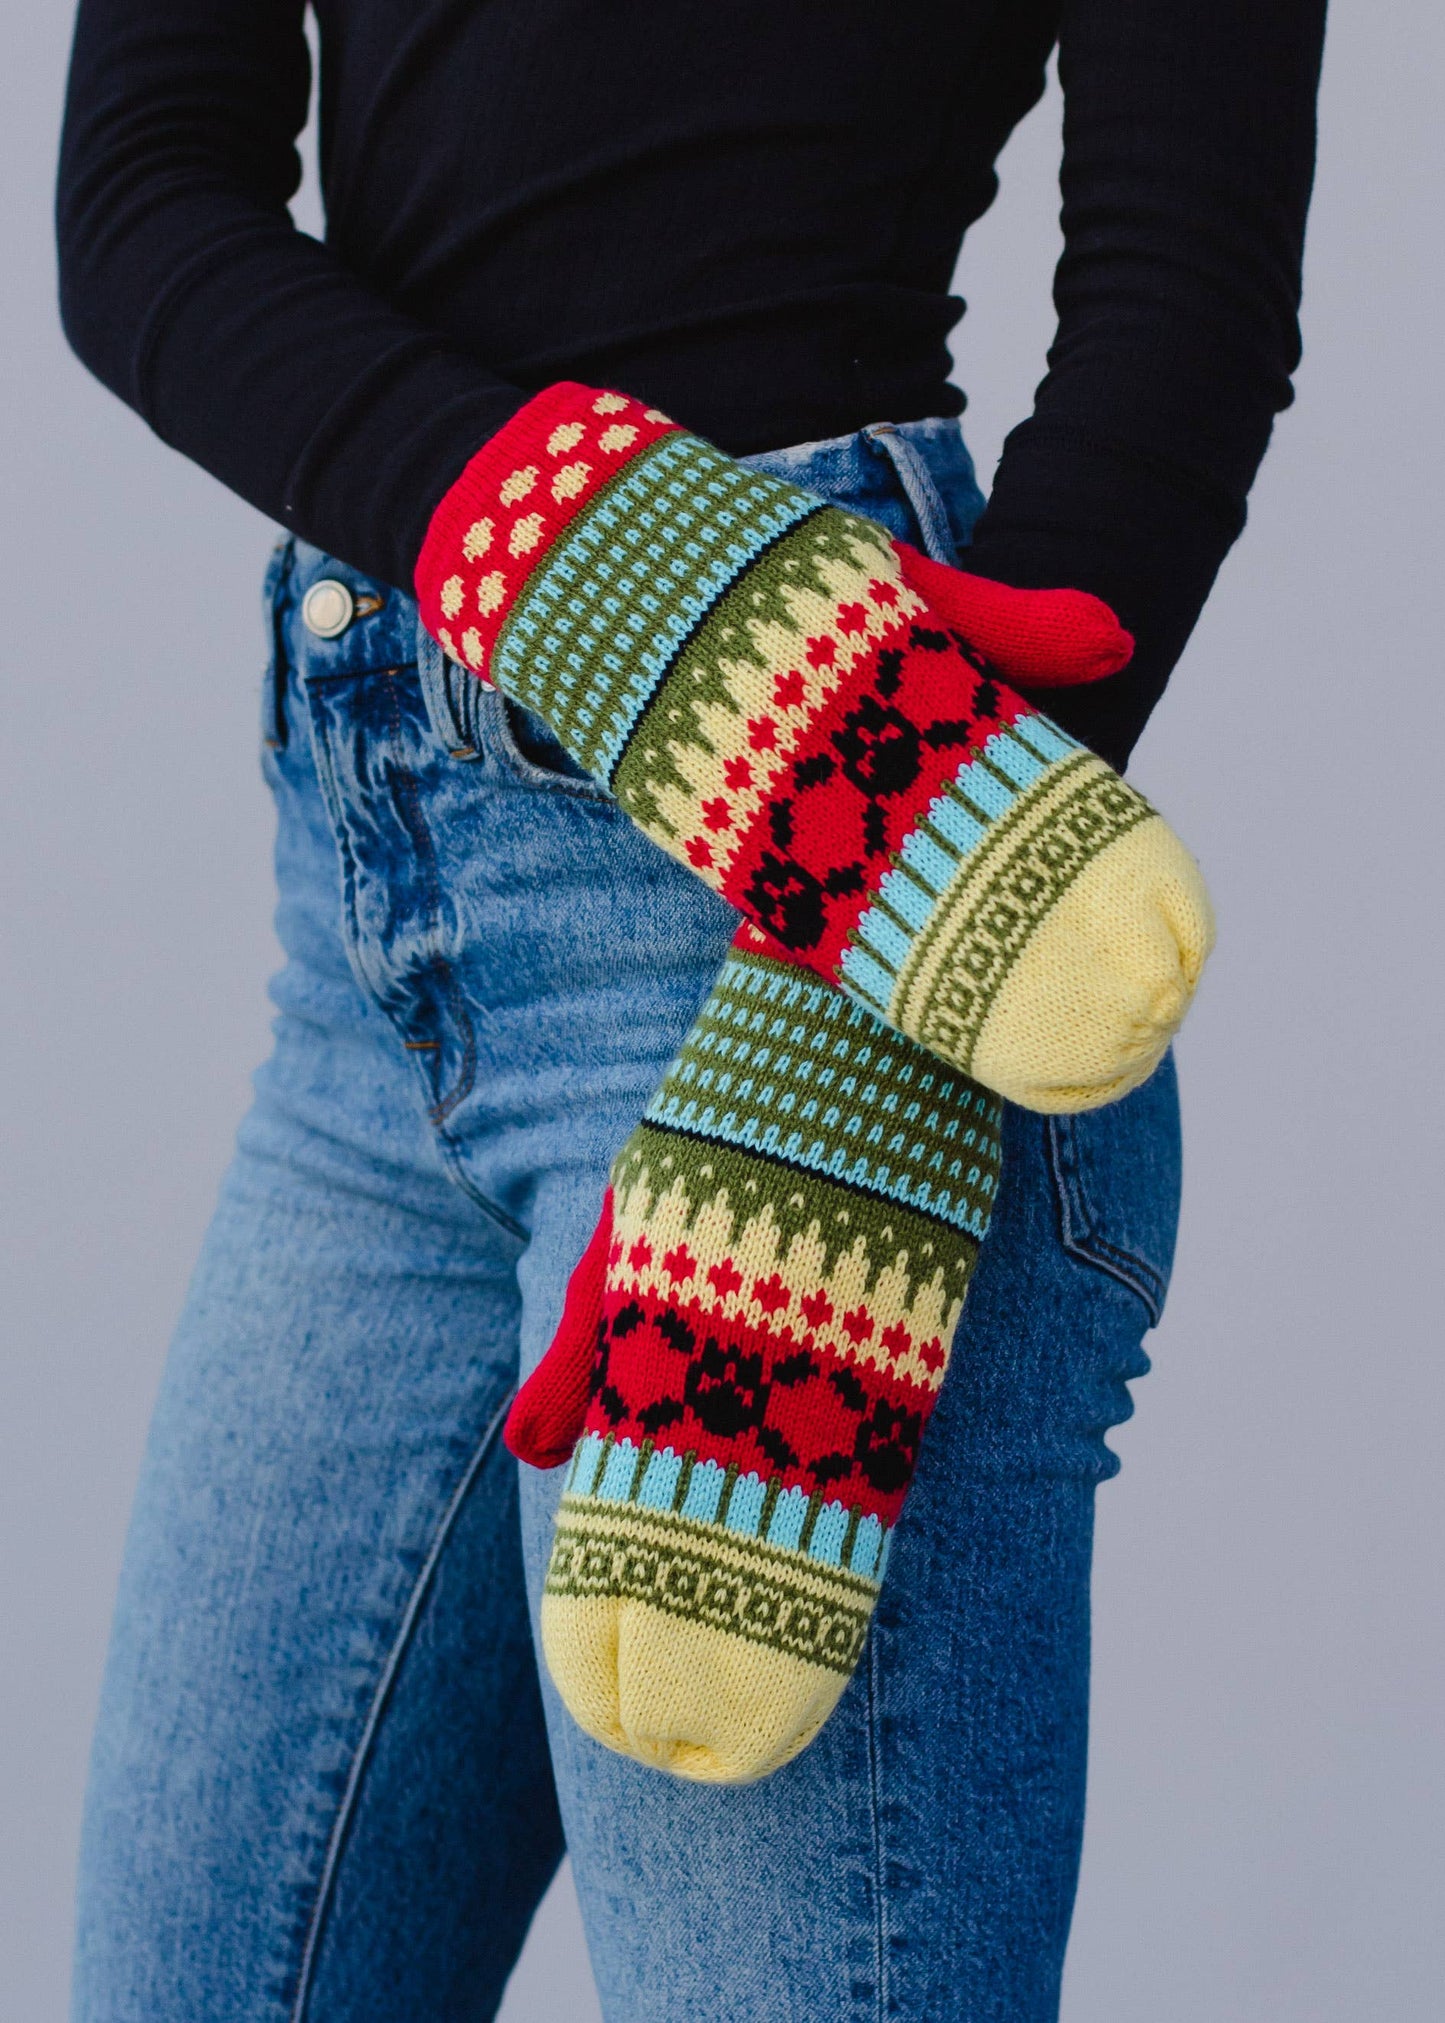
<point>946,900</point>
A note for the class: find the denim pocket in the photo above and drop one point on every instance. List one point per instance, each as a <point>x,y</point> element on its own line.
<point>526,744</point>
<point>472,720</point>
<point>1117,1178</point>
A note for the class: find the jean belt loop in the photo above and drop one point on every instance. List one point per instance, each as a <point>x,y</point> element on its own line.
<point>919,489</point>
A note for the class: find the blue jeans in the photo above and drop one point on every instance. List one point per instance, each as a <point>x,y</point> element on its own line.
<point>328,1782</point>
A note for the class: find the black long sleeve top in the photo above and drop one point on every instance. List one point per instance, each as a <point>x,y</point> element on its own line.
<point>747,214</point>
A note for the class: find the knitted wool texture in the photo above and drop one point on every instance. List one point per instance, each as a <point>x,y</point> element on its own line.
<point>808,714</point>
<point>750,1352</point>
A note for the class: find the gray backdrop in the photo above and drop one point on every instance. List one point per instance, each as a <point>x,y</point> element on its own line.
<point>1265,1833</point>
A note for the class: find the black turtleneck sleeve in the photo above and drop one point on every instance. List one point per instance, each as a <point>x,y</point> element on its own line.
<point>187,289</point>
<point>1189,129</point>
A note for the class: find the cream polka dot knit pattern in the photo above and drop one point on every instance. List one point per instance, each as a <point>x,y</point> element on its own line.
<point>818,721</point>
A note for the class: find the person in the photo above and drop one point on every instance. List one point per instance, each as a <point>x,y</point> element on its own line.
<point>330,1779</point>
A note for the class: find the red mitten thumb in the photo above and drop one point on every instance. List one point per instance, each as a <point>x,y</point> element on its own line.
<point>1035,638</point>
<point>545,1422</point>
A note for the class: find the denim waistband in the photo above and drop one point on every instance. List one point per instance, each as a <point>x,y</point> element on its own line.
<point>915,478</point>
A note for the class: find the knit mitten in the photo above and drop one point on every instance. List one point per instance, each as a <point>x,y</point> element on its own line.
<point>815,718</point>
<point>749,1353</point>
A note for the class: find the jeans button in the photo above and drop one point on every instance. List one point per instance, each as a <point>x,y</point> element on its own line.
<point>327,608</point>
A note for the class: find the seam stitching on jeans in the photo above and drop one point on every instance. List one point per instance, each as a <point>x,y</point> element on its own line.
<point>318,734</point>
<point>406,789</point>
<point>875,1821</point>
<point>1078,1227</point>
<point>529,773</point>
<point>372,987</point>
<point>467,1073</point>
<point>422,841</point>
<point>1134,1270</point>
<point>452,1157</point>
<point>410,1616</point>
<point>431,668</point>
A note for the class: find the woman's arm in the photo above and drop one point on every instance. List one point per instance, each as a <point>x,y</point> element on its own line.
<point>256,351</point>
<point>244,343</point>
<point>1188,157</point>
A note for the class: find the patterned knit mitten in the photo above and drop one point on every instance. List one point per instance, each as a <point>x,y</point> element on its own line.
<point>811,715</point>
<point>749,1353</point>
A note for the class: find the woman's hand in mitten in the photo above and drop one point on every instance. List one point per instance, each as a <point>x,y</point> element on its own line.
<point>817,719</point>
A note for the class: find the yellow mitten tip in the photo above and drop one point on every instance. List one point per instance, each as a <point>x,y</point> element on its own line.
<point>1096,996</point>
<point>679,1695</point>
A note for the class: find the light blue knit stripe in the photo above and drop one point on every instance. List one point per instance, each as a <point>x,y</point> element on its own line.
<point>1012,756</point>
<point>885,937</point>
<point>585,1463</point>
<point>903,894</point>
<point>794,990</point>
<point>957,820</point>
<point>744,1514</point>
<point>863,975</point>
<point>829,1530</point>
<point>745,1505</point>
<point>1046,738</point>
<point>658,1488</point>
<point>927,860</point>
<point>867,1545</point>
<point>982,788</point>
<point>788,1069</point>
<point>872,1176</point>
<point>704,1492</point>
<point>790,1513</point>
<point>681,515</point>
<point>956,824</point>
<point>617,1474</point>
